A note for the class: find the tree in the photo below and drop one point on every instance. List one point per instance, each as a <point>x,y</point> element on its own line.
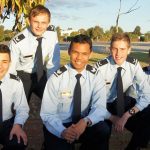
<point>97,32</point>
<point>137,30</point>
<point>1,33</point>
<point>131,9</point>
<point>20,9</point>
<point>113,30</point>
<point>58,29</point>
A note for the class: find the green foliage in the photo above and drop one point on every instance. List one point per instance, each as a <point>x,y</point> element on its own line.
<point>137,30</point>
<point>1,33</point>
<point>20,9</point>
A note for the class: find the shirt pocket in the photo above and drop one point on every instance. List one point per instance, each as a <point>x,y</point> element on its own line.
<point>65,103</point>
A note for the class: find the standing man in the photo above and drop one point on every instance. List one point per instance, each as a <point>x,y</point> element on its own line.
<point>35,52</point>
<point>13,106</point>
<point>74,103</point>
<point>120,72</point>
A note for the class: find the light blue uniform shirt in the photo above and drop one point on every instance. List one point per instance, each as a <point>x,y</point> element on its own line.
<point>147,72</point>
<point>132,74</point>
<point>13,92</point>
<point>23,48</point>
<point>57,103</point>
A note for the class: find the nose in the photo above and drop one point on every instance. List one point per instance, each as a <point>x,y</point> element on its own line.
<point>79,56</point>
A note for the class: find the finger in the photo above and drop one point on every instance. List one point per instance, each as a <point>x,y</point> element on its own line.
<point>10,136</point>
<point>24,137</point>
<point>18,138</point>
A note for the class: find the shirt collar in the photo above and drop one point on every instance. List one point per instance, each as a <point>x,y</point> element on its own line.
<point>114,65</point>
<point>34,37</point>
<point>73,72</point>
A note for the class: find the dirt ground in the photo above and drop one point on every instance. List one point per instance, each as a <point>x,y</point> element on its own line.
<point>33,128</point>
<point>35,135</point>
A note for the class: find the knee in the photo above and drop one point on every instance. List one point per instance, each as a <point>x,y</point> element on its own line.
<point>103,130</point>
<point>13,144</point>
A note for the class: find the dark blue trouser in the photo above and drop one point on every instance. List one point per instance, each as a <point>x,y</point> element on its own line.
<point>96,137</point>
<point>4,137</point>
<point>138,124</point>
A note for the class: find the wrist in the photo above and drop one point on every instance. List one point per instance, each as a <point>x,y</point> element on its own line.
<point>87,121</point>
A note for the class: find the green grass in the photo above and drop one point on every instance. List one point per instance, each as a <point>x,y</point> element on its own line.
<point>142,57</point>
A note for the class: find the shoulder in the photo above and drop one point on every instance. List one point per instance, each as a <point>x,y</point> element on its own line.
<point>91,69</point>
<point>60,71</point>
<point>132,60</point>
<point>101,63</point>
<point>14,77</point>
<point>20,36</point>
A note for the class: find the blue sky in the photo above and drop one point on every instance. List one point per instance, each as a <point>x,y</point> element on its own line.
<point>79,14</point>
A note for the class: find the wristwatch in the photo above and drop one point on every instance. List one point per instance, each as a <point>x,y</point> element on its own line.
<point>87,120</point>
<point>131,111</point>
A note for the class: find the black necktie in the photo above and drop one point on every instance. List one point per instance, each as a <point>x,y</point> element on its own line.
<point>1,108</point>
<point>39,59</point>
<point>76,115</point>
<point>120,95</point>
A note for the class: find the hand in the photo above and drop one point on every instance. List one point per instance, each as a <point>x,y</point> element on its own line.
<point>79,127</point>
<point>119,123</point>
<point>69,134</point>
<point>18,131</point>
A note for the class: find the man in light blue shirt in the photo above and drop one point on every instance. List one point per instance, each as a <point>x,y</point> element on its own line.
<point>24,47</point>
<point>136,114</point>
<point>60,131</point>
<point>14,109</point>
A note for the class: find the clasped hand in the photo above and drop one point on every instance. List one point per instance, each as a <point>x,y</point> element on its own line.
<point>74,131</point>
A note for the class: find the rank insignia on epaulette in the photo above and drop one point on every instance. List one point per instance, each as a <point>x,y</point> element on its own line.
<point>51,28</point>
<point>15,77</point>
<point>91,69</point>
<point>101,63</point>
<point>60,71</point>
<point>18,38</point>
<point>132,60</point>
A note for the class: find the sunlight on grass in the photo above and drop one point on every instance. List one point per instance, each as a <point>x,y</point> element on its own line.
<point>142,57</point>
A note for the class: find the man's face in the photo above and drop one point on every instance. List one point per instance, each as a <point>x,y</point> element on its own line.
<point>4,64</point>
<point>79,55</point>
<point>39,24</point>
<point>120,50</point>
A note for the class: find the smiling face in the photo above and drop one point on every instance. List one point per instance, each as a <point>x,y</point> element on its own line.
<point>79,55</point>
<point>39,24</point>
<point>120,50</point>
<point>4,64</point>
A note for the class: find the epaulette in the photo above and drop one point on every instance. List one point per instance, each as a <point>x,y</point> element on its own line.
<point>18,38</point>
<point>145,69</point>
<point>60,71</point>
<point>51,28</point>
<point>132,60</point>
<point>15,77</point>
<point>101,63</point>
<point>91,69</point>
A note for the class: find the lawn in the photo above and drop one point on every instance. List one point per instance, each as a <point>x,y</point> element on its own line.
<point>142,57</point>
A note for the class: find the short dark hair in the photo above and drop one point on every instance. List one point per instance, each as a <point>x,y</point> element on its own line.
<point>5,49</point>
<point>120,36</point>
<point>81,38</point>
<point>39,9</point>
